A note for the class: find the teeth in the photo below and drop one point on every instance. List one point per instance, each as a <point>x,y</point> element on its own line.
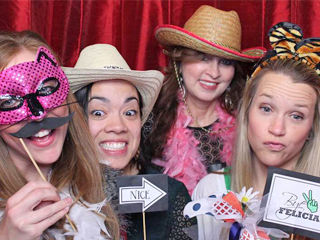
<point>208,83</point>
<point>113,145</point>
<point>42,133</point>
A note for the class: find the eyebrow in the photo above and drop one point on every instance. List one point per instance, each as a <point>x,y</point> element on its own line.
<point>103,99</point>
<point>107,100</point>
<point>296,105</point>
<point>266,95</point>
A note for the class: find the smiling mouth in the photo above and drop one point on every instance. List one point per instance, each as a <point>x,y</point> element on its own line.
<point>113,146</point>
<point>42,135</point>
<point>209,84</point>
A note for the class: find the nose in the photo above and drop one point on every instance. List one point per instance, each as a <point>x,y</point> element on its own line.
<point>214,69</point>
<point>277,126</point>
<point>115,124</point>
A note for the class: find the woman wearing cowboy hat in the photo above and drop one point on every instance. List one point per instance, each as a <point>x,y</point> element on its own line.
<point>193,126</point>
<point>117,101</point>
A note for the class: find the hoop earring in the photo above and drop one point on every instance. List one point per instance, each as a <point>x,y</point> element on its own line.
<point>179,78</point>
<point>183,88</point>
<point>309,136</point>
<point>227,98</point>
<point>136,157</point>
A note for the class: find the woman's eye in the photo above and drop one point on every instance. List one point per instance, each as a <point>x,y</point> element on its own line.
<point>297,117</point>
<point>8,103</point>
<point>205,58</point>
<point>48,86</point>
<point>226,62</point>
<point>265,109</point>
<point>97,113</point>
<point>131,113</point>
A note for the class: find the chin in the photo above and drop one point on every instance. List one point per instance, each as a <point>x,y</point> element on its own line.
<point>48,157</point>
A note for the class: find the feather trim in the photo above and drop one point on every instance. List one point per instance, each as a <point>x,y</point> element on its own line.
<point>89,224</point>
<point>182,159</point>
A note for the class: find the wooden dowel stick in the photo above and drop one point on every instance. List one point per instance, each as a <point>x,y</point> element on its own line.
<point>32,160</point>
<point>43,178</point>
<point>144,226</point>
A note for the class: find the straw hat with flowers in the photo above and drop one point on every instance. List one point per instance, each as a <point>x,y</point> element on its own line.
<point>212,31</point>
<point>100,62</point>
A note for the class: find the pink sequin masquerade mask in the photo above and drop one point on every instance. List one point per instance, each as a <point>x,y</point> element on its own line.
<point>29,90</point>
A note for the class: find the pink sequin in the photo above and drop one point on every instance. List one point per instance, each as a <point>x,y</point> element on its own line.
<point>24,80</point>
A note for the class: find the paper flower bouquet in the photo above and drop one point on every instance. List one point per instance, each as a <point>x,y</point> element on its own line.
<point>237,215</point>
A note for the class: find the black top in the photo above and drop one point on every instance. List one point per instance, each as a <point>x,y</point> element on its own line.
<point>208,147</point>
<point>163,225</point>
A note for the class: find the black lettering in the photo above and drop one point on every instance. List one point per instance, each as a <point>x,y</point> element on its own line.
<point>288,211</point>
<point>133,196</point>
<point>281,210</point>
<point>316,218</point>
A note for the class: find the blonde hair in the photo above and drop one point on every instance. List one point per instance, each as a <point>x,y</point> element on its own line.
<point>78,165</point>
<point>242,159</point>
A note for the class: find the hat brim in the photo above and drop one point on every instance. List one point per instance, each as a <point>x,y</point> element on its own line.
<point>148,83</point>
<point>170,36</point>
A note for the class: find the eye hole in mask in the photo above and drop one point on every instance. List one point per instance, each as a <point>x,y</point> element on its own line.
<point>10,102</point>
<point>46,88</point>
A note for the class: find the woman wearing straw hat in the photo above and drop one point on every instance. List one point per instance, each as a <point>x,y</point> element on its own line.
<point>278,120</point>
<point>49,169</point>
<point>117,101</point>
<point>193,125</point>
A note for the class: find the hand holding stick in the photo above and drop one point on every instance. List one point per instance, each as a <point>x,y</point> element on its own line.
<point>43,178</point>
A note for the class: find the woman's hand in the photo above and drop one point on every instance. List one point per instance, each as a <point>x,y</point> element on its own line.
<point>26,218</point>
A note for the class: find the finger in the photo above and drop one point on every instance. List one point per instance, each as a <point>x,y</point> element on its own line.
<point>50,210</point>
<point>46,223</point>
<point>305,197</point>
<point>34,198</point>
<point>310,194</point>
<point>25,190</point>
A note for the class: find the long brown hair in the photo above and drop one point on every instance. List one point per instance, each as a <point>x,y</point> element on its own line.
<point>77,166</point>
<point>242,159</point>
<point>165,110</point>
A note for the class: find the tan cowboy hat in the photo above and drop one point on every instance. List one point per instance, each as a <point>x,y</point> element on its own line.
<point>100,62</point>
<point>211,31</point>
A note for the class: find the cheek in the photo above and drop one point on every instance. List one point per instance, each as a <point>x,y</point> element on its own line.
<point>94,128</point>
<point>228,74</point>
<point>299,136</point>
<point>61,111</point>
<point>9,140</point>
<point>136,132</point>
<point>255,127</point>
<point>190,71</point>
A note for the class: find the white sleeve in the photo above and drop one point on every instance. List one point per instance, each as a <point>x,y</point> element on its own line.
<point>210,184</point>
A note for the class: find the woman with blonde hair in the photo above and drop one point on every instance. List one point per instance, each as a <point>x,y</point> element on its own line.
<point>36,108</point>
<point>278,121</point>
<point>192,129</point>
